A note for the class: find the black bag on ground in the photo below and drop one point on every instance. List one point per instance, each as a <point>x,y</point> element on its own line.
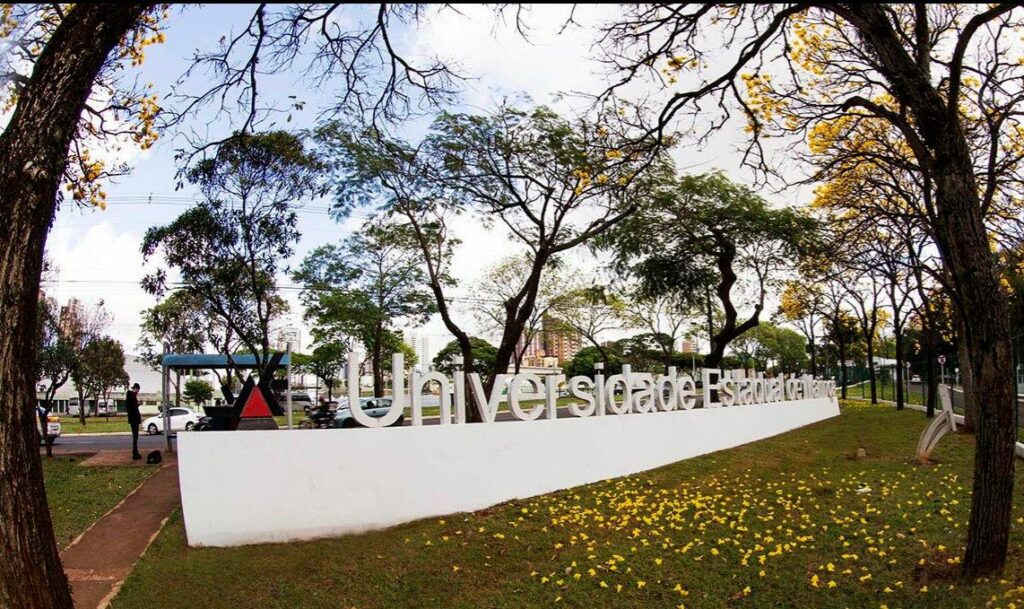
<point>154,457</point>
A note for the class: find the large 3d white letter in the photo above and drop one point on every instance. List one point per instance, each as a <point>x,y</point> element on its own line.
<point>397,404</point>
<point>582,388</point>
<point>488,404</point>
<point>417,382</point>
<point>711,379</point>
<point>665,391</point>
<point>514,393</point>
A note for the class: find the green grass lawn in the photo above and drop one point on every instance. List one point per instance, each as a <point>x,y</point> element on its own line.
<point>777,523</point>
<point>78,496</point>
<point>69,424</point>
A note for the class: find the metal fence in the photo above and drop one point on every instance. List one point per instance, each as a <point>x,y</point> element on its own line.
<point>915,386</point>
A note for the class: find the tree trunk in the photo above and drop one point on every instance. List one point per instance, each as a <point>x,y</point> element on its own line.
<point>33,153</point>
<point>518,311</point>
<point>729,331</point>
<point>930,378</point>
<point>842,365</point>
<point>966,378</point>
<point>980,306</point>
<point>375,361</point>
<point>898,336</point>
<point>810,346</point>
<point>473,411</point>
<point>81,405</point>
<point>978,300</point>
<point>871,371</point>
<point>709,312</point>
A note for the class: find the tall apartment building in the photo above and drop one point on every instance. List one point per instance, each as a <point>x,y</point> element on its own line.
<point>561,341</point>
<point>420,344</point>
<point>289,334</point>
<point>70,315</point>
<point>554,344</point>
<point>531,351</point>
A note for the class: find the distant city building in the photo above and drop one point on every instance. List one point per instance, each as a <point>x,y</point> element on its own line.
<point>531,352</point>
<point>555,344</point>
<point>289,334</point>
<point>420,344</point>
<point>70,315</point>
<point>561,341</point>
<point>687,346</point>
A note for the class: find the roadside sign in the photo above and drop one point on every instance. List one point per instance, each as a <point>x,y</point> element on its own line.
<point>942,359</point>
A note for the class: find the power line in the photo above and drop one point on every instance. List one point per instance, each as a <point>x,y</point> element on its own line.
<point>178,285</point>
<point>186,201</point>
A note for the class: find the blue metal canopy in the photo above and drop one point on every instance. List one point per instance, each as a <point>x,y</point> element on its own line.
<point>211,361</point>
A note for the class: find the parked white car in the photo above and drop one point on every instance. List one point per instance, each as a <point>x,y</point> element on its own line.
<point>182,419</point>
<point>106,407</point>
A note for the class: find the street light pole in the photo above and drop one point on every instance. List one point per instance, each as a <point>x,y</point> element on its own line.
<point>906,380</point>
<point>166,399</point>
<point>288,372</point>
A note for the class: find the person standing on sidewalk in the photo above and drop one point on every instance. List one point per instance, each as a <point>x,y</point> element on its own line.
<point>134,418</point>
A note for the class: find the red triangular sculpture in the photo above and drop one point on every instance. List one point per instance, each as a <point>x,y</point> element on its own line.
<point>256,405</point>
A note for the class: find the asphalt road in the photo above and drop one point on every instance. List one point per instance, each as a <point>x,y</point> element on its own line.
<point>87,443</point>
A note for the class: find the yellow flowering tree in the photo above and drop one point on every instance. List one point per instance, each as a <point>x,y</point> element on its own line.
<point>118,112</point>
<point>933,74</point>
<point>801,304</point>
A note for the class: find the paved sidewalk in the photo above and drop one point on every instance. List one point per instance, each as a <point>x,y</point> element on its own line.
<point>98,562</point>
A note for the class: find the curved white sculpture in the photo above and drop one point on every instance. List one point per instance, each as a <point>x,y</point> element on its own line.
<point>942,424</point>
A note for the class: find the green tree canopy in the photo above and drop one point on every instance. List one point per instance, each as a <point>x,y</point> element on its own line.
<point>582,363</point>
<point>229,248</point>
<point>483,355</point>
<point>198,391</point>
<point>361,288</point>
<point>102,364</point>
<point>550,182</point>
<point>772,347</point>
<point>703,236</point>
<point>57,357</point>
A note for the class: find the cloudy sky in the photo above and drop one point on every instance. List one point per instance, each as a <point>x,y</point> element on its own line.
<point>97,252</point>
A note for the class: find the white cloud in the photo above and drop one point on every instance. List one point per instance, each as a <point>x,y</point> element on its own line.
<point>100,262</point>
<point>499,61</point>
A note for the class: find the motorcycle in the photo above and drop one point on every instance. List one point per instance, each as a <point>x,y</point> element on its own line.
<point>319,418</point>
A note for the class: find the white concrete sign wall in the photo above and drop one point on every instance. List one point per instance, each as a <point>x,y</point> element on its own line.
<point>270,486</point>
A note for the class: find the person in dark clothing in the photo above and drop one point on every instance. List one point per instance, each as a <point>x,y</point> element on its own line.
<point>134,418</point>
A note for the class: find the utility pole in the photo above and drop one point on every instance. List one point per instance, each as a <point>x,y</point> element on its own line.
<point>288,372</point>
<point>166,399</point>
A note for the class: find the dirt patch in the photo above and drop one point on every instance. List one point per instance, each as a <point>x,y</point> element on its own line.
<point>120,458</point>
